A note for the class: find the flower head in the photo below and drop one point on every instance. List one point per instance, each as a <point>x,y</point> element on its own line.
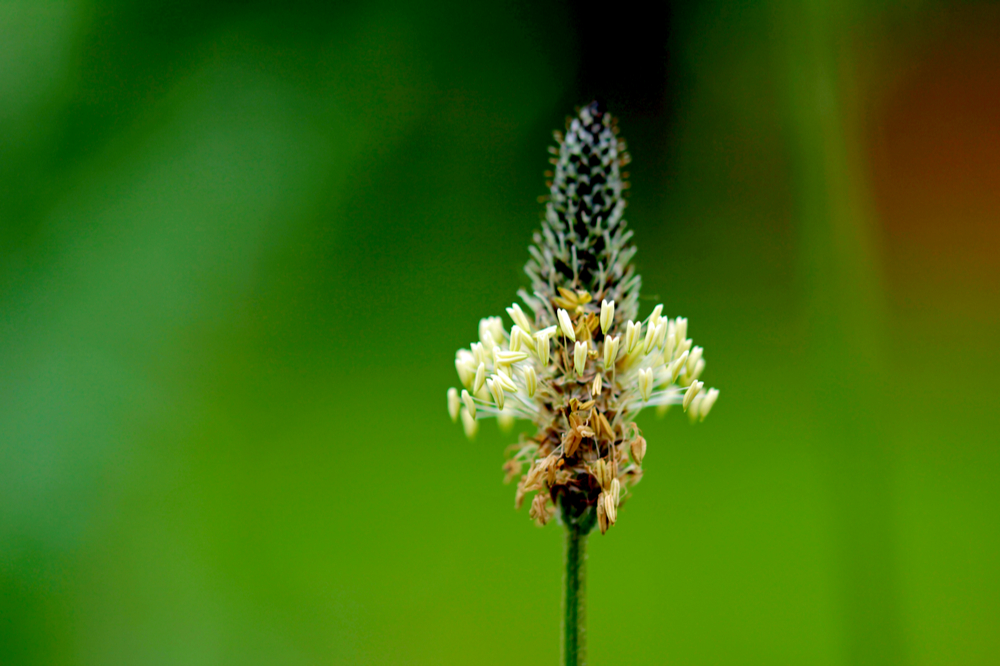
<point>584,365</point>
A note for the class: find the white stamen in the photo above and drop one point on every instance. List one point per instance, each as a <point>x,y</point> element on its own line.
<point>470,424</point>
<point>633,333</point>
<point>470,404</point>
<point>611,350</point>
<point>478,353</point>
<point>465,365</point>
<point>691,393</point>
<point>497,392</point>
<point>504,381</point>
<point>654,317</point>
<point>530,380</point>
<point>650,342</point>
<point>607,315</point>
<point>453,403</point>
<point>494,325</point>
<point>694,358</point>
<point>707,402</point>
<point>682,327</point>
<point>671,343</point>
<point>566,324</point>
<point>542,348</point>
<point>579,357</point>
<point>502,357</point>
<point>645,383</point>
<point>480,378</point>
<point>518,337</point>
<point>519,317</point>
<point>675,367</point>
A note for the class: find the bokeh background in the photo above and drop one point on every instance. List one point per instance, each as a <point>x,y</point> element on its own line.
<point>241,241</point>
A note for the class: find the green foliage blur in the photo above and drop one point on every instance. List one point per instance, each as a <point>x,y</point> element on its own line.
<point>240,243</point>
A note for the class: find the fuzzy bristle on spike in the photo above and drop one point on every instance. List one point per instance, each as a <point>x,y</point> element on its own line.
<point>584,211</point>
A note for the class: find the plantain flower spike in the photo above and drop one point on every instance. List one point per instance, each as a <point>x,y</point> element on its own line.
<point>576,361</point>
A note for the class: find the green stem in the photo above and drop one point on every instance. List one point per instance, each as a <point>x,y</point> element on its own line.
<point>575,603</point>
<point>578,525</point>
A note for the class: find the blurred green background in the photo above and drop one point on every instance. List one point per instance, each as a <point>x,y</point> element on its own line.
<point>241,241</point>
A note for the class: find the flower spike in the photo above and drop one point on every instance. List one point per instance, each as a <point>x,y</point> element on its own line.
<point>579,360</point>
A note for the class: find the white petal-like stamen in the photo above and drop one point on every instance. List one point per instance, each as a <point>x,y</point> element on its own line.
<point>579,357</point>
<point>654,317</point>
<point>691,393</point>
<point>633,334</point>
<point>650,342</point>
<point>694,358</point>
<point>695,407</point>
<point>479,353</point>
<point>497,392</point>
<point>530,380</point>
<point>453,403</point>
<point>470,424</point>
<point>493,325</point>
<point>465,365</point>
<point>708,402</point>
<point>681,324</point>
<point>470,404</point>
<point>515,339</point>
<point>547,332</point>
<point>519,338</point>
<point>520,319</point>
<point>671,342</point>
<point>566,324</point>
<point>611,350</point>
<point>502,357</point>
<point>595,389</point>
<point>542,349</point>
<point>698,368</point>
<point>607,315</point>
<point>542,343</point>
<point>659,338</point>
<point>675,368</point>
<point>480,378</point>
<point>645,383</point>
<point>504,381</point>
<point>489,343</point>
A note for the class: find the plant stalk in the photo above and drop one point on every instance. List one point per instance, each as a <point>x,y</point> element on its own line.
<point>575,602</point>
<point>579,517</point>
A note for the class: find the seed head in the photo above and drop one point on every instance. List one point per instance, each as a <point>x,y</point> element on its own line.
<point>583,305</point>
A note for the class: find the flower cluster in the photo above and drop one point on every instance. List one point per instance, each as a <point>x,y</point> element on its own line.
<point>582,364</point>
